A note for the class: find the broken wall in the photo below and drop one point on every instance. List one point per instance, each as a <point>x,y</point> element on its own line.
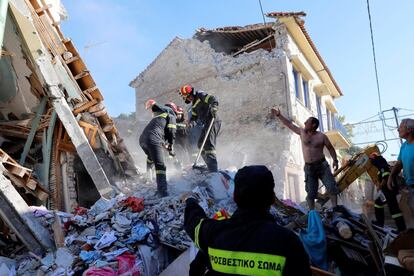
<point>246,86</point>
<point>15,88</point>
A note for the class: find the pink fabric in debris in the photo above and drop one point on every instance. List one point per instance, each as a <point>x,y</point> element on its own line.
<point>103,271</point>
<point>126,264</point>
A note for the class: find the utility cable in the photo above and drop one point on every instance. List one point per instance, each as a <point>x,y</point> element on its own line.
<point>375,66</point>
<point>264,23</point>
<point>374,121</point>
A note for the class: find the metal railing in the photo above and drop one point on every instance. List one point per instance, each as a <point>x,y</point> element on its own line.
<point>337,125</point>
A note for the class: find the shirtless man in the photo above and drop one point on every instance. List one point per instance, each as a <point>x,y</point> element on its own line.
<point>316,166</point>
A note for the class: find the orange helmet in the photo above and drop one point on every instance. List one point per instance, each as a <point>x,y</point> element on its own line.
<point>186,90</point>
<point>150,103</point>
<point>173,106</point>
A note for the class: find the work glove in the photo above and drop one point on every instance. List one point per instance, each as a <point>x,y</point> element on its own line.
<point>213,112</point>
<point>191,124</point>
<point>170,150</point>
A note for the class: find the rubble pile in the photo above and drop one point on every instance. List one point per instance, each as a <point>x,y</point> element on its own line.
<point>131,233</point>
<point>142,235</point>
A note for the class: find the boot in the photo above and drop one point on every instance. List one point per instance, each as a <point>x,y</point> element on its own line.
<point>399,221</point>
<point>379,216</point>
<point>162,185</point>
<point>211,161</point>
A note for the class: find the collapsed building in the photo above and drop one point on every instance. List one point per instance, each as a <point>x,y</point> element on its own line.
<point>251,69</point>
<point>59,146</point>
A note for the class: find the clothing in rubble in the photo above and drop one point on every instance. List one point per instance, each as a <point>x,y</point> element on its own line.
<point>386,196</point>
<point>250,242</point>
<point>160,130</point>
<point>204,108</point>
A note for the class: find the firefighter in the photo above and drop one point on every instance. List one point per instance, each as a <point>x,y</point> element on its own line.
<point>180,137</point>
<point>386,196</point>
<point>181,145</point>
<point>250,242</point>
<point>204,109</point>
<point>159,133</point>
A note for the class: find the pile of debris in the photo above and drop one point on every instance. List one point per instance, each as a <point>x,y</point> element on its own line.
<point>124,234</point>
<point>141,235</point>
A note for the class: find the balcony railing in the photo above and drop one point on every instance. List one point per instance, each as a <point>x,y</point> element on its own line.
<point>337,125</point>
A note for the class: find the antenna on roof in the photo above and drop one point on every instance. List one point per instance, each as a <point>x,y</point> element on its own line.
<point>90,45</point>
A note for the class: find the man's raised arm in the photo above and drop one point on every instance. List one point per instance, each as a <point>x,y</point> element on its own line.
<point>276,112</point>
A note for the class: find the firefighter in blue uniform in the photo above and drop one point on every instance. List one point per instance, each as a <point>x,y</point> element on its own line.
<point>386,196</point>
<point>157,135</point>
<point>250,242</point>
<point>204,109</point>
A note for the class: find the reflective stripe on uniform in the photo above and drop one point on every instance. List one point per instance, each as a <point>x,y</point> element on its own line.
<point>181,125</point>
<point>396,215</point>
<point>149,161</point>
<point>193,113</point>
<point>197,233</point>
<point>245,263</point>
<point>206,99</point>
<point>196,103</point>
<point>385,174</point>
<point>160,172</point>
<point>171,126</point>
<point>209,151</point>
<point>378,206</point>
<point>162,115</point>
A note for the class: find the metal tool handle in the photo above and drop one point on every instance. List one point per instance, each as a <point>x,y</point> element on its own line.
<point>204,141</point>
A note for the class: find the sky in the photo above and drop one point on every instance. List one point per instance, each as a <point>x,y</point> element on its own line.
<point>118,39</point>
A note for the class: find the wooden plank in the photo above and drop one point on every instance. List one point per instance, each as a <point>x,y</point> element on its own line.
<point>89,90</point>
<point>31,184</point>
<point>33,129</point>
<point>66,147</point>
<point>52,37</point>
<point>84,107</point>
<point>16,170</point>
<point>96,94</point>
<point>42,9</point>
<point>72,59</point>
<point>58,234</point>
<point>81,75</point>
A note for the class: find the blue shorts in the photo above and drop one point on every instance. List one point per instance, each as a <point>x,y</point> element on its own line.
<point>314,172</point>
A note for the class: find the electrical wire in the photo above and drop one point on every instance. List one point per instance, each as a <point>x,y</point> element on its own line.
<point>373,121</point>
<point>375,64</point>
<point>264,23</point>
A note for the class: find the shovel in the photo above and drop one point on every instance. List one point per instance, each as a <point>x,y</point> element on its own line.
<point>200,167</point>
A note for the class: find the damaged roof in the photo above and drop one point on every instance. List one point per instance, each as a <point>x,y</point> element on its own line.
<point>301,24</point>
<point>232,39</point>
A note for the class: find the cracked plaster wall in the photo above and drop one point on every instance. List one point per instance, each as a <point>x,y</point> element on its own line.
<point>16,96</point>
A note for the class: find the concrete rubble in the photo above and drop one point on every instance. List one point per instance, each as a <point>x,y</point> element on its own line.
<point>144,235</point>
